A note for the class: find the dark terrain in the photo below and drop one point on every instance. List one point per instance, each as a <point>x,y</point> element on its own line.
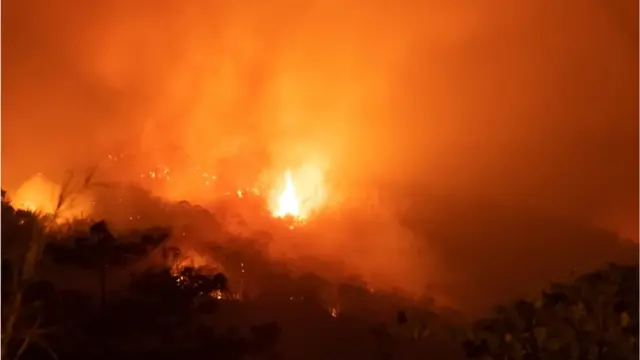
<point>114,302</point>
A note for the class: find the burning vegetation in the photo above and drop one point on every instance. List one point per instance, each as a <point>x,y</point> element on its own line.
<point>288,202</point>
<point>170,283</point>
<point>41,195</point>
<point>319,180</point>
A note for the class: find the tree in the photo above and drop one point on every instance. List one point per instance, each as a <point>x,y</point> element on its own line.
<point>596,317</point>
<point>100,250</point>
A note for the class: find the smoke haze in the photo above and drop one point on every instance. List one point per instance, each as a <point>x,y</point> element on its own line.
<point>529,105</point>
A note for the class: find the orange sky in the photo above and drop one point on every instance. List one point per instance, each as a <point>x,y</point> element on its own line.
<point>531,103</point>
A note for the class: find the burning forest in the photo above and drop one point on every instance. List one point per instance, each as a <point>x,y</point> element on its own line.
<point>319,180</point>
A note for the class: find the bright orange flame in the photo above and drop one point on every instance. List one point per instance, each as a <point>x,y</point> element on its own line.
<point>302,195</point>
<point>36,194</point>
<point>40,194</point>
<point>288,203</point>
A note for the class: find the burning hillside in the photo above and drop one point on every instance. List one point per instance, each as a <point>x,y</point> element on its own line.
<point>41,195</point>
<point>270,115</point>
<point>295,207</point>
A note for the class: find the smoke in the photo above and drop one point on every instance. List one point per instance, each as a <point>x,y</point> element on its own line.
<point>529,104</point>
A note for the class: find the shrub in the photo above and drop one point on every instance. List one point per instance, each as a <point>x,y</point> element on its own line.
<point>595,317</point>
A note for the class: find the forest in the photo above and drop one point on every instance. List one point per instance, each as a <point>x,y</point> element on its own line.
<point>85,291</point>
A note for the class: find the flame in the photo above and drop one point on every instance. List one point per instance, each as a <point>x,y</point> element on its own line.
<point>36,194</point>
<point>288,202</point>
<point>39,194</point>
<point>302,195</point>
<point>334,312</point>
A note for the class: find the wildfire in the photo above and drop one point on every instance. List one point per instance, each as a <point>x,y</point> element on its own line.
<point>40,194</point>
<point>301,194</point>
<point>288,203</point>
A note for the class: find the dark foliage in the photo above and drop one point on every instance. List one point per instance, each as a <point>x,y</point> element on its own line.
<point>158,319</point>
<point>169,314</point>
<point>401,318</point>
<point>596,317</point>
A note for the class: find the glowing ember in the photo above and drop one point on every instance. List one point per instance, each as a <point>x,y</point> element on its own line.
<point>334,312</point>
<point>288,203</point>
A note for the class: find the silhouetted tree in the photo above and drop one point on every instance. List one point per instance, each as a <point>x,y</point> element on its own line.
<point>100,251</point>
<point>595,317</point>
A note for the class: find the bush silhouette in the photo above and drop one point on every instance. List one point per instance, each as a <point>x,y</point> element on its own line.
<point>595,317</point>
